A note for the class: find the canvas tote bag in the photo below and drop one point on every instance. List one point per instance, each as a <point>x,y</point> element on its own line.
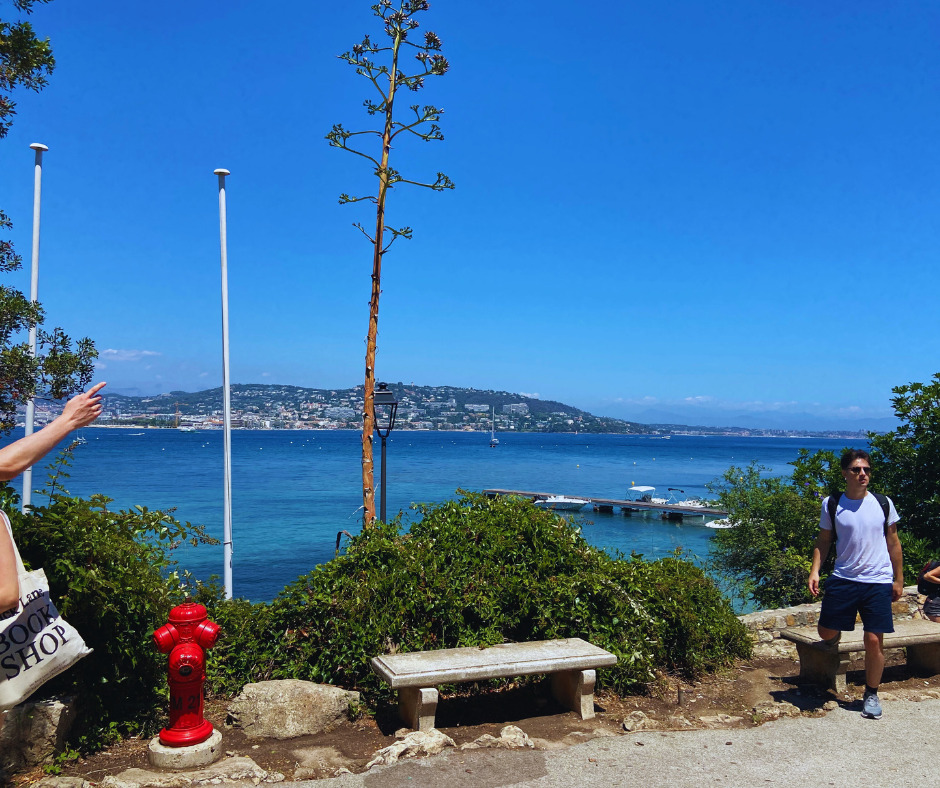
<point>36,643</point>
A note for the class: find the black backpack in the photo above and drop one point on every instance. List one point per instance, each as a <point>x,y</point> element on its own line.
<point>925,587</point>
<point>834,504</point>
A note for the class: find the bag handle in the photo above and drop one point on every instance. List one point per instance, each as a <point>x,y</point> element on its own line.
<point>20,569</point>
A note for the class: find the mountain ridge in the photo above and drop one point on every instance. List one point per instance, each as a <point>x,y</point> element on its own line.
<point>267,400</point>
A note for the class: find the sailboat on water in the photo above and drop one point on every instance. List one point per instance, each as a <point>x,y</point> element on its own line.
<point>494,441</point>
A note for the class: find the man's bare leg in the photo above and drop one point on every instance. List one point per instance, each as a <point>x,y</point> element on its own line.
<point>874,658</point>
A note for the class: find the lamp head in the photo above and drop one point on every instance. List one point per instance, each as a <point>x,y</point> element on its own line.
<point>384,408</point>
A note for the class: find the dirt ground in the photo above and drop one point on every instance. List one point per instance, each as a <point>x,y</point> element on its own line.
<point>726,700</point>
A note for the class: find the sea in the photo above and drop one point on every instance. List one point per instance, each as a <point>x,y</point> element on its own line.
<point>294,491</point>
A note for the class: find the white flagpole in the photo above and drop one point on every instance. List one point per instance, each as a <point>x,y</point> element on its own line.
<point>226,398</point>
<point>34,297</point>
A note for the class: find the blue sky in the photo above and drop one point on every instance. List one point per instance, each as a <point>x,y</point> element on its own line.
<point>718,212</point>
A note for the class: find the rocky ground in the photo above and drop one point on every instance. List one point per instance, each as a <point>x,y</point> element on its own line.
<point>751,693</point>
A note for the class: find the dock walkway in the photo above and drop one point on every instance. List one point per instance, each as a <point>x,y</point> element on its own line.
<point>601,504</point>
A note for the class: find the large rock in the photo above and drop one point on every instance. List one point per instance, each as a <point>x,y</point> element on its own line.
<point>32,733</point>
<point>289,708</point>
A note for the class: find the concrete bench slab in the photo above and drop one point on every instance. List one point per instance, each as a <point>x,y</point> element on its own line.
<point>572,662</point>
<point>827,665</point>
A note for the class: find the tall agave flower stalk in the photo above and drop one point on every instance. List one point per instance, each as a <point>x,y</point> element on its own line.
<point>381,65</point>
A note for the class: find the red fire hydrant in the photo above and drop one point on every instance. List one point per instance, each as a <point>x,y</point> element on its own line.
<point>185,638</point>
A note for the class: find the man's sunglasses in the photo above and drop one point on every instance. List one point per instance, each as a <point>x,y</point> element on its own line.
<point>857,471</point>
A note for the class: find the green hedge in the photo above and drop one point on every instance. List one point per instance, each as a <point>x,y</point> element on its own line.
<point>478,571</point>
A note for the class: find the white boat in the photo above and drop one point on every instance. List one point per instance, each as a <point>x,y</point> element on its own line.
<point>692,503</point>
<point>562,503</point>
<point>643,494</point>
<point>494,441</point>
<point>186,429</point>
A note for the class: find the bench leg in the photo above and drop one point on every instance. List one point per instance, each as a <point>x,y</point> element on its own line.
<point>574,689</point>
<point>418,707</point>
<point>827,668</point>
<point>924,659</point>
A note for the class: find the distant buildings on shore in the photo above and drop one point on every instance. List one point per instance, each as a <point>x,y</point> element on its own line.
<point>420,408</point>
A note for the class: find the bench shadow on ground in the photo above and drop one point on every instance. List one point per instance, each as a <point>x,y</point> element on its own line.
<point>808,696</point>
<point>480,705</point>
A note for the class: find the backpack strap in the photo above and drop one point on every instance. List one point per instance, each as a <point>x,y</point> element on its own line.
<point>885,507</point>
<point>833,504</point>
<point>831,507</point>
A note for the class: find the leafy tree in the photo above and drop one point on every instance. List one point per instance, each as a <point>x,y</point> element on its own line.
<point>766,554</point>
<point>25,61</point>
<point>907,460</point>
<point>57,370</point>
<point>380,65</point>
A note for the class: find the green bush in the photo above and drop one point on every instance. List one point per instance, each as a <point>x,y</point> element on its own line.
<point>111,577</point>
<point>768,552</point>
<point>478,571</point>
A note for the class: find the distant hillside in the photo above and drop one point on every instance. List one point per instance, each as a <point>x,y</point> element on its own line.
<point>432,407</point>
<point>420,407</point>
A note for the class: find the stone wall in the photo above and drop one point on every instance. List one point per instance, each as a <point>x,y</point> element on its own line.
<point>765,625</point>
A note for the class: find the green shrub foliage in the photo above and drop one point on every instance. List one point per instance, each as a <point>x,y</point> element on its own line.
<point>475,572</point>
<point>110,575</point>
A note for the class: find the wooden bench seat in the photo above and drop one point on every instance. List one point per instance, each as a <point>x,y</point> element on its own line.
<point>827,665</point>
<point>416,675</point>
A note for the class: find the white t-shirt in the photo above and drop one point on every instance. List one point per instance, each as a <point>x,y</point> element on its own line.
<point>861,549</point>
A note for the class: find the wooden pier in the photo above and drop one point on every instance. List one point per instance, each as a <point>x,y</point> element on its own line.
<point>669,511</point>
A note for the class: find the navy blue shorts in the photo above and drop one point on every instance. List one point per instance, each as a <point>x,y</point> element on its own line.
<point>846,598</point>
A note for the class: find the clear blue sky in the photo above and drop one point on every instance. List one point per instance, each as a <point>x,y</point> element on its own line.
<point>710,210</point>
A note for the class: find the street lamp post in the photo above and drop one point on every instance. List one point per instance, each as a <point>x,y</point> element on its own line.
<point>384,408</point>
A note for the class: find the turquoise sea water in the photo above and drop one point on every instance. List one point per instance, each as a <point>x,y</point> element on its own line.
<point>294,490</point>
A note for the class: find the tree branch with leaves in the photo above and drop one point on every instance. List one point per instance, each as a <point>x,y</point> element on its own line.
<point>58,369</point>
<point>380,64</point>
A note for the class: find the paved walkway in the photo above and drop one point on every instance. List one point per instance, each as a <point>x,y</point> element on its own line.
<point>841,749</point>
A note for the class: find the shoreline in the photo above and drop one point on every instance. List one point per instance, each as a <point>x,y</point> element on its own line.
<point>822,435</point>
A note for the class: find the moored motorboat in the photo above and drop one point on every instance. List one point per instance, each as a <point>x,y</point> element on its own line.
<point>644,494</point>
<point>562,503</point>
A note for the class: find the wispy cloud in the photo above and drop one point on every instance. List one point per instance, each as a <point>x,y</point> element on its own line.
<point>112,354</point>
<point>533,395</point>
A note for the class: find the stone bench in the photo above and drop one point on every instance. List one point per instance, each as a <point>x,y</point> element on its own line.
<point>416,675</point>
<point>827,665</point>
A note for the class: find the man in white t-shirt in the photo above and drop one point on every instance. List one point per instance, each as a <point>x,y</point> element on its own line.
<point>869,572</point>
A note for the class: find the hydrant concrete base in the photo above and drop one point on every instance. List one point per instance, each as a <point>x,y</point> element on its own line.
<point>195,755</point>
